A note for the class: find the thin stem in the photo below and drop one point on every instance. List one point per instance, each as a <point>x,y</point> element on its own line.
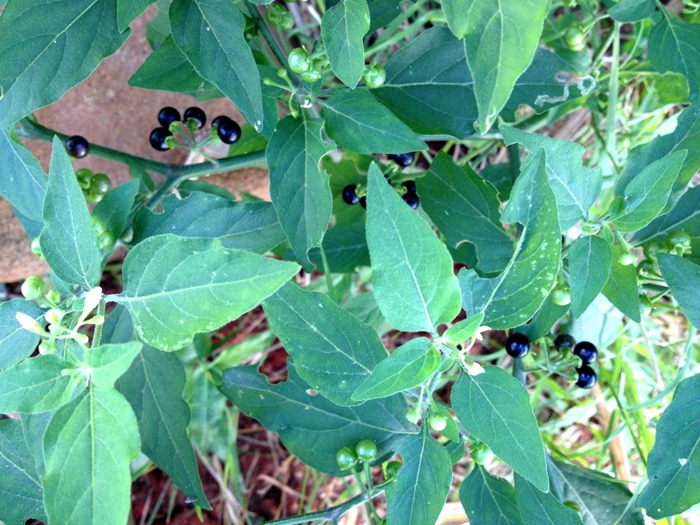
<point>270,39</point>
<point>327,274</point>
<point>614,86</point>
<point>97,335</point>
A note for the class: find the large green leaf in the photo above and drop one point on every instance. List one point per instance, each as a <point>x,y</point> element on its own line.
<point>69,239</point>
<point>513,297</point>
<point>129,10</point>
<point>590,260</point>
<point>575,187</point>
<point>345,246</point>
<point>542,508</point>
<point>646,195</point>
<point>422,483</point>
<point>412,274</point>
<point>49,46</point>
<point>333,351</point>
<point>16,343</point>
<point>250,226</point>
<point>116,205</point>
<point>673,46</point>
<point>674,462</point>
<point>22,181</point>
<point>210,34</point>
<point>20,487</point>
<point>300,190</point>
<point>683,277</point>
<point>342,29</point>
<point>465,207</point>
<point>627,11</point>
<point>310,426</point>
<point>88,446</point>
<point>545,318</point>
<point>500,40</point>
<point>494,407</point>
<point>685,216</point>
<point>37,385</point>
<point>109,362</point>
<point>176,287</point>
<point>407,367</point>
<point>603,500</point>
<point>361,124</point>
<point>621,288</point>
<point>489,500</point>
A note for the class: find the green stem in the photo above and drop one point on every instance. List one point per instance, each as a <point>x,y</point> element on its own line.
<point>327,274</point>
<point>97,335</point>
<point>271,40</point>
<point>614,86</point>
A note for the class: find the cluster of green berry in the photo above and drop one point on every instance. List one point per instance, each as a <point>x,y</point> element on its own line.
<point>93,185</point>
<point>312,67</point>
<point>278,15</point>
<point>365,452</point>
<point>174,127</point>
<point>353,194</point>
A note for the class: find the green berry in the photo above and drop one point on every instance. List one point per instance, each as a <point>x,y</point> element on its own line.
<point>590,228</point>
<point>299,60</point>
<point>84,177</point>
<point>100,183</point>
<point>53,296</point>
<point>437,422</point>
<point>310,76</point>
<point>287,21</point>
<point>652,249</point>
<point>36,248</point>
<point>679,238</point>
<point>572,505</point>
<point>627,259</point>
<point>575,38</point>
<point>33,287</point>
<point>366,450</point>
<point>561,295</point>
<point>374,75</point>
<point>345,458</point>
<point>392,469</point>
<point>647,266</point>
<point>412,415</point>
<point>53,316</point>
<point>480,453</point>
<point>105,240</point>
<point>99,224</point>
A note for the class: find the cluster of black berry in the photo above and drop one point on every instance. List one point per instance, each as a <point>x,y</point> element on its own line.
<point>162,138</point>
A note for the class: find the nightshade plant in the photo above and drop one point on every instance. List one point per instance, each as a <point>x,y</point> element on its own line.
<point>393,105</point>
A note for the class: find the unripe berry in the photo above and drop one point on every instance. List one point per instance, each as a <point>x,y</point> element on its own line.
<point>374,75</point>
<point>345,458</point>
<point>480,453</point>
<point>561,295</point>
<point>627,259</point>
<point>310,76</point>
<point>437,422</point>
<point>33,287</point>
<point>299,60</point>
<point>575,38</point>
<point>392,469</point>
<point>412,415</point>
<point>36,248</point>
<point>679,238</point>
<point>366,450</point>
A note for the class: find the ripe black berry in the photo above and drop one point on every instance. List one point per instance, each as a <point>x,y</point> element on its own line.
<point>403,159</point>
<point>586,377</point>
<point>410,186</point>
<point>157,139</point>
<point>228,130</point>
<point>77,146</point>
<point>167,116</point>
<point>411,199</point>
<point>363,201</point>
<point>349,195</point>
<point>586,351</point>
<point>518,345</point>
<point>564,341</point>
<point>196,114</point>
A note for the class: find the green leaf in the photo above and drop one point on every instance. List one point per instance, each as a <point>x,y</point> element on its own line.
<point>20,487</point>
<point>603,500</point>
<point>168,69</point>
<point>494,407</point>
<point>500,40</point>
<point>115,206</point>
<point>176,287</point>
<point>359,123</point>
<point>342,29</point>
<point>68,240</point>
<point>673,46</point>
<point>465,207</point>
<point>683,137</point>
<point>407,367</point>
<point>684,216</point>
<point>109,362</point>
<point>543,321</point>
<point>590,260</point>
<point>513,297</point>
<point>575,187</point>
<point>46,48</point>
<point>129,10</point>
<point>210,34</point>
<point>542,508</point>
<point>628,11</point>
<point>621,288</point>
<point>457,16</point>
<point>412,274</point>
<point>489,500</point>
<point>422,483</point>
<point>88,446</point>
<point>333,351</point>
<point>22,181</point>
<point>674,477</point>
<point>16,343</point>
<point>250,226</point>
<point>310,426</point>
<point>646,195</point>
<point>300,191</point>
<point>683,277</point>
<point>37,385</point>
<point>345,246</point>
<point>462,330</point>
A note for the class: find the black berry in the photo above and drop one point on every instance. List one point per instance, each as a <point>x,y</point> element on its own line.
<point>196,114</point>
<point>586,351</point>
<point>403,159</point>
<point>77,146</point>
<point>349,195</point>
<point>564,341</point>
<point>410,186</point>
<point>518,345</point>
<point>411,199</point>
<point>586,377</point>
<point>167,116</point>
<point>363,202</point>
<point>157,139</point>
<point>228,130</point>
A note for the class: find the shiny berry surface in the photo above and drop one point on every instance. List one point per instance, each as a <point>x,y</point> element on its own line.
<point>403,159</point>
<point>196,114</point>
<point>586,351</point>
<point>168,115</point>
<point>587,377</point>
<point>157,139</point>
<point>411,199</point>
<point>518,345</point>
<point>228,131</point>
<point>349,195</point>
<point>564,341</point>
<point>77,146</point>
